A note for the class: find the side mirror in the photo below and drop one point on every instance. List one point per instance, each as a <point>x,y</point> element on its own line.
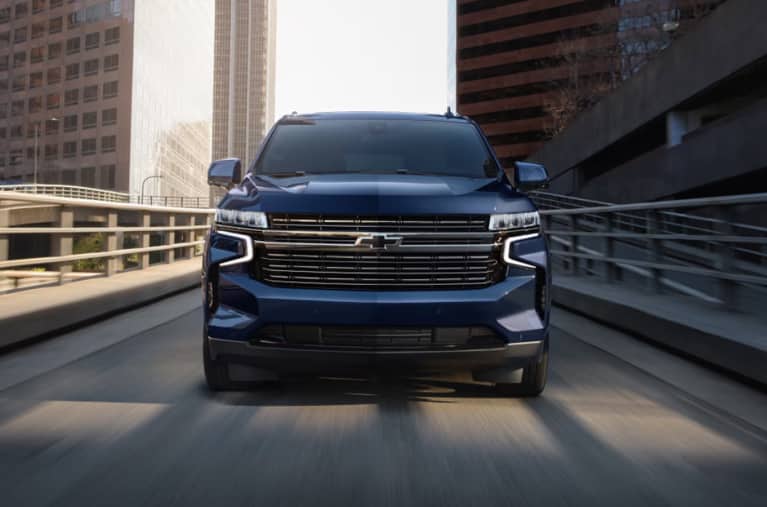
<point>530,176</point>
<point>225,173</point>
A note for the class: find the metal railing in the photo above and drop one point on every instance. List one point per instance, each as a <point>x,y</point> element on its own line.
<point>97,194</point>
<point>709,257</point>
<point>119,236</point>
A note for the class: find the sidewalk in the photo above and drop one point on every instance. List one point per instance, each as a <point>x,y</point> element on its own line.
<point>34,313</point>
<point>730,340</point>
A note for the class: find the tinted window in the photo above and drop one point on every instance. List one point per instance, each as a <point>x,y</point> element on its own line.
<point>377,146</point>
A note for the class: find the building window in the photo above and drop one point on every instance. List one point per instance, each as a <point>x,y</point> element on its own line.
<point>94,13</point>
<point>73,71</point>
<point>5,39</point>
<point>56,3</point>
<point>3,132</point>
<point>70,123</point>
<point>88,146</point>
<point>68,176</point>
<point>17,132</point>
<point>3,111</point>
<point>20,83</point>
<point>70,149</point>
<point>111,62</point>
<point>108,144</point>
<point>17,108</point>
<point>90,120</point>
<point>5,15</point>
<point>54,75</point>
<point>22,9</point>
<point>108,117</point>
<point>112,36</point>
<point>51,151</point>
<point>38,5</point>
<point>51,127</point>
<point>88,176</point>
<point>90,93</point>
<point>54,50</point>
<point>108,176</point>
<point>35,80</point>
<point>3,85</point>
<point>3,62</point>
<point>73,45</point>
<point>75,18</point>
<point>110,89</point>
<point>35,104</point>
<point>92,40</point>
<point>114,7</point>
<point>37,54</point>
<point>19,59</point>
<point>20,35</point>
<point>55,25</point>
<point>72,97</point>
<point>53,101</point>
<point>38,30</point>
<point>91,67</point>
<point>15,157</point>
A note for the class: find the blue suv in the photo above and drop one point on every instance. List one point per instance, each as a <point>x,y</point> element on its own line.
<point>358,241</point>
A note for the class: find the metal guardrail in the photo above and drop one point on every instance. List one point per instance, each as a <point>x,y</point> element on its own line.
<point>130,234</point>
<point>672,250</point>
<point>97,194</point>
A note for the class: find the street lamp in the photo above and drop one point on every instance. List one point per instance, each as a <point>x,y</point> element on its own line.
<point>159,177</point>
<point>37,142</point>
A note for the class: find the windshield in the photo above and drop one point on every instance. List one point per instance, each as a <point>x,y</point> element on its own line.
<point>376,146</point>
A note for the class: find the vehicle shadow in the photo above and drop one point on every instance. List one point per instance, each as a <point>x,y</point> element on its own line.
<point>389,389</point>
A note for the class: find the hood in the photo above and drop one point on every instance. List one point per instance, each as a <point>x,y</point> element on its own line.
<point>375,194</point>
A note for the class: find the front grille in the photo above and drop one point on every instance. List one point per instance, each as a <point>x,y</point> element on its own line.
<point>378,338</point>
<point>378,253</point>
<point>378,270</point>
<point>462,223</point>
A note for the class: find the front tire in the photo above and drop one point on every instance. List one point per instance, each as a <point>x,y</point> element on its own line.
<point>533,379</point>
<point>216,372</point>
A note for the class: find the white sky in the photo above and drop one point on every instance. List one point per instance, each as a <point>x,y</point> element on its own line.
<point>371,55</point>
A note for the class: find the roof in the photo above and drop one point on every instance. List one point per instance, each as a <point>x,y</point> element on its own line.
<point>375,115</point>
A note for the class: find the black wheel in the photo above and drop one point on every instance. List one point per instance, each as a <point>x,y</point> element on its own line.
<point>533,379</point>
<point>216,372</point>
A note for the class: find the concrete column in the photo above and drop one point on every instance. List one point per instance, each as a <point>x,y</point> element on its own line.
<point>676,127</point>
<point>62,243</point>
<point>192,236</point>
<point>171,235</point>
<point>112,264</point>
<point>146,221</point>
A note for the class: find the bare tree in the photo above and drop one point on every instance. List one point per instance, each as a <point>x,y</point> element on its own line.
<point>628,37</point>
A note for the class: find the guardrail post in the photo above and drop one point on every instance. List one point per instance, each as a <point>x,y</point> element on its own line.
<point>192,236</point>
<point>574,264</point>
<point>725,259</point>
<point>62,243</point>
<point>609,244</point>
<point>655,249</point>
<point>5,221</point>
<point>170,255</point>
<point>146,237</point>
<point>111,244</point>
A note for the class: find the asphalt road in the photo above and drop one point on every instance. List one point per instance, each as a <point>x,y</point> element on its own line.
<point>132,424</point>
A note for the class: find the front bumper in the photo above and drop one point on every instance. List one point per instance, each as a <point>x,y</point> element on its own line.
<point>244,306</point>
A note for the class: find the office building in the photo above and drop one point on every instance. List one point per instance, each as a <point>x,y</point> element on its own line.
<point>524,68</point>
<point>243,106</point>
<point>111,92</point>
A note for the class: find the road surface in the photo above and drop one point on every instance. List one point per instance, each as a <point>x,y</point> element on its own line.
<point>133,424</point>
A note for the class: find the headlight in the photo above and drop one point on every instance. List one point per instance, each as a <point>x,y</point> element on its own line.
<point>254,219</point>
<point>511,221</point>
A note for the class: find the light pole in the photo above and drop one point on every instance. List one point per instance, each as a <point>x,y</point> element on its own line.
<point>37,142</point>
<point>159,177</point>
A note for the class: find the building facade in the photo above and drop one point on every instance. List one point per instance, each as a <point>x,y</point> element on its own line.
<point>107,90</point>
<point>243,104</point>
<point>524,68</point>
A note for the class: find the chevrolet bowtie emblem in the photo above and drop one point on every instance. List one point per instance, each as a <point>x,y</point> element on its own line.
<point>379,241</point>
